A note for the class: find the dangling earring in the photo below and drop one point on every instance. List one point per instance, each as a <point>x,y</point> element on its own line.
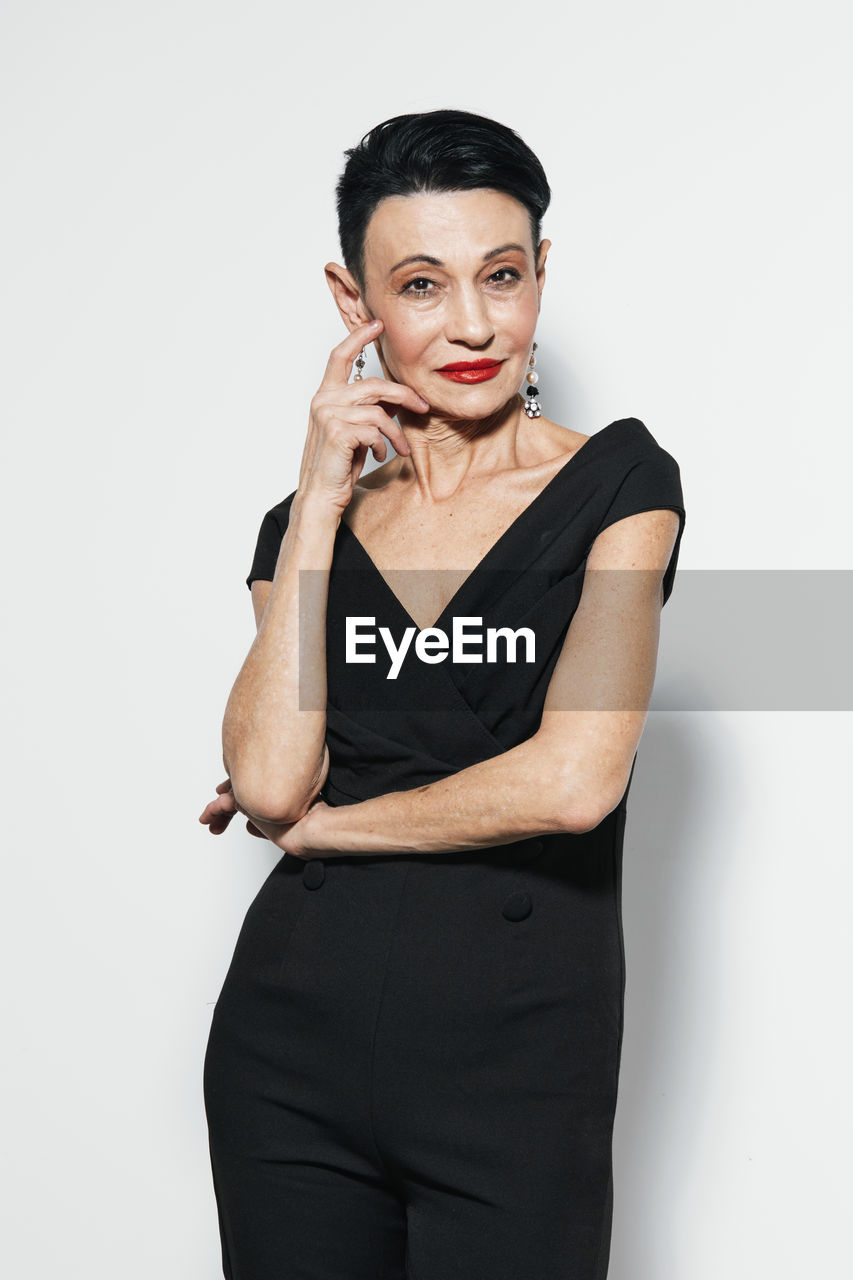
<point>531,402</point>
<point>360,362</point>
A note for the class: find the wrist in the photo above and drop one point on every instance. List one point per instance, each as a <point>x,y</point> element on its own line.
<point>311,835</point>
<point>313,511</point>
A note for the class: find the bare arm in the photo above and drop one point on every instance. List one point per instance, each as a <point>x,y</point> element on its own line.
<point>217,814</point>
<point>273,731</point>
<point>574,770</point>
<point>275,751</point>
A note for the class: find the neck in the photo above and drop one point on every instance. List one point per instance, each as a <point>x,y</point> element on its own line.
<point>446,450</point>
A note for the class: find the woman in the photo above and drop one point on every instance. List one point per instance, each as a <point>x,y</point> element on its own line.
<point>413,1062</point>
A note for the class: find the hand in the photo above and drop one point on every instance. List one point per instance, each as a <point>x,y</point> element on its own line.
<point>219,812</point>
<point>347,419</point>
<point>287,836</point>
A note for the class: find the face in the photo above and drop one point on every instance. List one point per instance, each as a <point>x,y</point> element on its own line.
<point>455,280</point>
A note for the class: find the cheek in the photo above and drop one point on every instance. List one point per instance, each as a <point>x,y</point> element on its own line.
<point>528,311</point>
<point>518,325</point>
<point>405,345</point>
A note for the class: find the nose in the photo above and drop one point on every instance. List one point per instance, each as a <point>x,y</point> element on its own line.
<point>468,318</point>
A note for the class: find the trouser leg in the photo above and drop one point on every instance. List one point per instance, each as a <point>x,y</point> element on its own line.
<point>300,1188</point>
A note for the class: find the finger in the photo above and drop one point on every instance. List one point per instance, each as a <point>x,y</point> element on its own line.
<point>225,804</point>
<point>342,357</point>
<point>376,390</point>
<point>223,786</point>
<point>220,824</point>
<point>376,443</point>
<point>361,418</point>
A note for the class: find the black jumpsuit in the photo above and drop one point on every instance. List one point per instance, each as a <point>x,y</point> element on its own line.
<point>413,1061</point>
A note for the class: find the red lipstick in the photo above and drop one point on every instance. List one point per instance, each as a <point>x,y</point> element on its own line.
<point>470,370</point>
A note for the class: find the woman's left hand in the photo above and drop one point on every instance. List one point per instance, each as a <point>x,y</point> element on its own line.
<point>290,837</point>
<point>220,811</point>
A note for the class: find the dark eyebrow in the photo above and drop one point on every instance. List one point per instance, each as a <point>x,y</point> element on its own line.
<point>436,262</point>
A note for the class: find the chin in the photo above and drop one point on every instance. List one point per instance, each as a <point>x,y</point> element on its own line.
<point>472,403</point>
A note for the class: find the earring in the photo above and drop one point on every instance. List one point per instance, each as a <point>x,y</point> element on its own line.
<point>360,362</point>
<point>531,403</point>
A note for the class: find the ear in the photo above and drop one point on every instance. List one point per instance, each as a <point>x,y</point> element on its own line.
<point>347,295</point>
<point>544,246</point>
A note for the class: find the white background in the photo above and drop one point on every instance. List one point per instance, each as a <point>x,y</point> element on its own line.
<point>169,171</point>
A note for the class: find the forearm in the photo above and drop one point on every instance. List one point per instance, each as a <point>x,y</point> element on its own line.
<point>520,793</point>
<point>273,730</point>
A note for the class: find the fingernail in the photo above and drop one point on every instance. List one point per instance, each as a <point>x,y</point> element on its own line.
<point>374,324</point>
<point>425,403</point>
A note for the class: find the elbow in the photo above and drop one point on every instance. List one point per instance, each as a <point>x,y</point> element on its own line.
<point>264,797</point>
<point>269,805</point>
<point>577,819</point>
<point>584,780</point>
<point>584,807</point>
<point>267,800</point>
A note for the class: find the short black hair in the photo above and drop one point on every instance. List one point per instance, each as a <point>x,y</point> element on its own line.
<point>432,151</point>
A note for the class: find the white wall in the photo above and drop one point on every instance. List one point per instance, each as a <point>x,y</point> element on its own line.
<point>169,170</point>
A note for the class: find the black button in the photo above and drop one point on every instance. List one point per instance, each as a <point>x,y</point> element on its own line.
<point>314,874</point>
<point>518,906</point>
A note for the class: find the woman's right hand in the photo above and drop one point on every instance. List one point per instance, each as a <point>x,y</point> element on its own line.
<point>347,419</point>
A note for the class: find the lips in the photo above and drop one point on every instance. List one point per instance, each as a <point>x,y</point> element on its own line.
<point>470,370</point>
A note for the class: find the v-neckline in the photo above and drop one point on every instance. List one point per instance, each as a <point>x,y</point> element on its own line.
<point>493,549</point>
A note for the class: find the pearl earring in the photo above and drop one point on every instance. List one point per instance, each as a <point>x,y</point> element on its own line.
<point>360,362</point>
<point>531,403</point>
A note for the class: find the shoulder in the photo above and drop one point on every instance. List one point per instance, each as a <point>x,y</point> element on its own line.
<point>278,515</point>
<point>642,514</point>
<point>555,441</point>
<point>638,444</point>
<point>269,540</point>
<point>635,468</point>
<point>615,450</point>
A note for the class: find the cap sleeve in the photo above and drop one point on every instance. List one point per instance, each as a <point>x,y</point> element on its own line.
<point>272,531</point>
<point>652,483</point>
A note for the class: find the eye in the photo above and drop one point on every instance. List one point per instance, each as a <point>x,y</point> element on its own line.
<point>506,271</point>
<point>420,290</point>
